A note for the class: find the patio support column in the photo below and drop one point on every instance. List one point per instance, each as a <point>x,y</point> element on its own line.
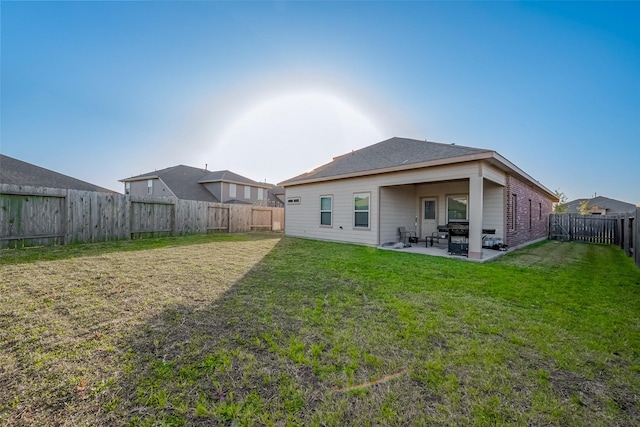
<point>476,197</point>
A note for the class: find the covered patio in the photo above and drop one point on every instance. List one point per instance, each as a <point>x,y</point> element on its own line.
<point>471,201</point>
<point>441,250</point>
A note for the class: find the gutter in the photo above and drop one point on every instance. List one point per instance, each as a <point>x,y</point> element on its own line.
<point>405,167</point>
<point>507,166</point>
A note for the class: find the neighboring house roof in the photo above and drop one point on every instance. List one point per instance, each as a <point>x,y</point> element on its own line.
<point>185,182</point>
<point>396,154</point>
<point>17,172</point>
<point>276,195</point>
<point>228,176</point>
<point>612,206</point>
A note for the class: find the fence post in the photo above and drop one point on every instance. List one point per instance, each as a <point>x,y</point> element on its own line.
<point>618,232</point>
<point>65,216</point>
<point>628,235</point>
<point>126,220</point>
<point>172,220</point>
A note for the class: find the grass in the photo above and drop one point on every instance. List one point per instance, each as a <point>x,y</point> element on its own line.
<point>255,330</point>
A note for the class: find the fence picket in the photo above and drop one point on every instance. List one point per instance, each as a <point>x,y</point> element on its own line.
<point>621,230</point>
<point>48,216</point>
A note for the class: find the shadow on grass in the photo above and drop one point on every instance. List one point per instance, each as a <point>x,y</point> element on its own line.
<point>275,348</point>
<point>310,335</point>
<point>329,334</point>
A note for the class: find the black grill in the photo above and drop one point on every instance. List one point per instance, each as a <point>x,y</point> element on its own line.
<point>458,229</point>
<point>458,238</point>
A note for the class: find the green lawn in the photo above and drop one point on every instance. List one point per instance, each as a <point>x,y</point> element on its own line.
<point>316,333</point>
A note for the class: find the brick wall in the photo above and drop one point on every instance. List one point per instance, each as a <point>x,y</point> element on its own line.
<point>528,212</point>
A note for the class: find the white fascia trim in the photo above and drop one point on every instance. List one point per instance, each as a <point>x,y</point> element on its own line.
<point>139,178</point>
<point>257,184</point>
<point>430,163</point>
<point>488,155</point>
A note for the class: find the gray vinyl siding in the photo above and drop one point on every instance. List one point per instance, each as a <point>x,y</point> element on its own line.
<point>395,197</point>
<point>139,189</point>
<point>493,208</point>
<point>224,193</point>
<point>493,174</point>
<point>215,188</point>
<point>397,208</point>
<point>441,190</point>
<point>303,220</point>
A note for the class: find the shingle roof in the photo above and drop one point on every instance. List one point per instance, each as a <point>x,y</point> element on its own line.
<point>387,154</point>
<point>228,176</point>
<point>186,181</point>
<point>17,172</point>
<point>611,205</point>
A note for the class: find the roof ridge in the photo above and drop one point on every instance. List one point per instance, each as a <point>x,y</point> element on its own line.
<point>445,144</point>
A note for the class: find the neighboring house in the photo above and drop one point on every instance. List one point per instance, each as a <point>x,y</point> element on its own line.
<point>276,197</point>
<point>364,196</point>
<point>17,172</point>
<point>601,206</point>
<point>189,183</point>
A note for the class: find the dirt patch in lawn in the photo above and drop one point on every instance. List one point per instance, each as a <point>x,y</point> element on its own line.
<point>62,322</point>
<point>547,254</point>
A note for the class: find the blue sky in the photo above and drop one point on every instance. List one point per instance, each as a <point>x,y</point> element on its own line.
<point>105,90</point>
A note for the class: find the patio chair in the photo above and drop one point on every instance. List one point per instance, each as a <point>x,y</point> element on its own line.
<point>441,234</point>
<point>407,237</point>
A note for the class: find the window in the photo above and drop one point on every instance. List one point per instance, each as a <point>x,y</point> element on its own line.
<point>326,204</point>
<point>232,190</point>
<point>149,186</point>
<point>361,210</point>
<point>540,211</point>
<point>293,200</point>
<point>247,192</point>
<point>457,208</point>
<point>127,188</point>
<point>260,193</point>
<point>429,209</point>
<point>514,211</point>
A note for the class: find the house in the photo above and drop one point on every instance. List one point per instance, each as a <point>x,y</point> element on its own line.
<point>17,172</point>
<point>189,183</point>
<point>364,196</point>
<point>275,197</point>
<point>601,206</point>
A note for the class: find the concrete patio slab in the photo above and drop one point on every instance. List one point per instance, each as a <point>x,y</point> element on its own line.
<point>441,250</point>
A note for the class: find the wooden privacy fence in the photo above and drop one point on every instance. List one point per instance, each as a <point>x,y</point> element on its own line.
<point>584,228</point>
<point>31,216</point>
<point>622,230</point>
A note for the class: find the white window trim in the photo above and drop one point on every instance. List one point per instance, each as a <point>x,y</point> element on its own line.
<point>447,207</point>
<point>149,186</point>
<point>247,192</point>
<point>232,190</point>
<point>295,200</point>
<point>330,210</point>
<point>368,211</point>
